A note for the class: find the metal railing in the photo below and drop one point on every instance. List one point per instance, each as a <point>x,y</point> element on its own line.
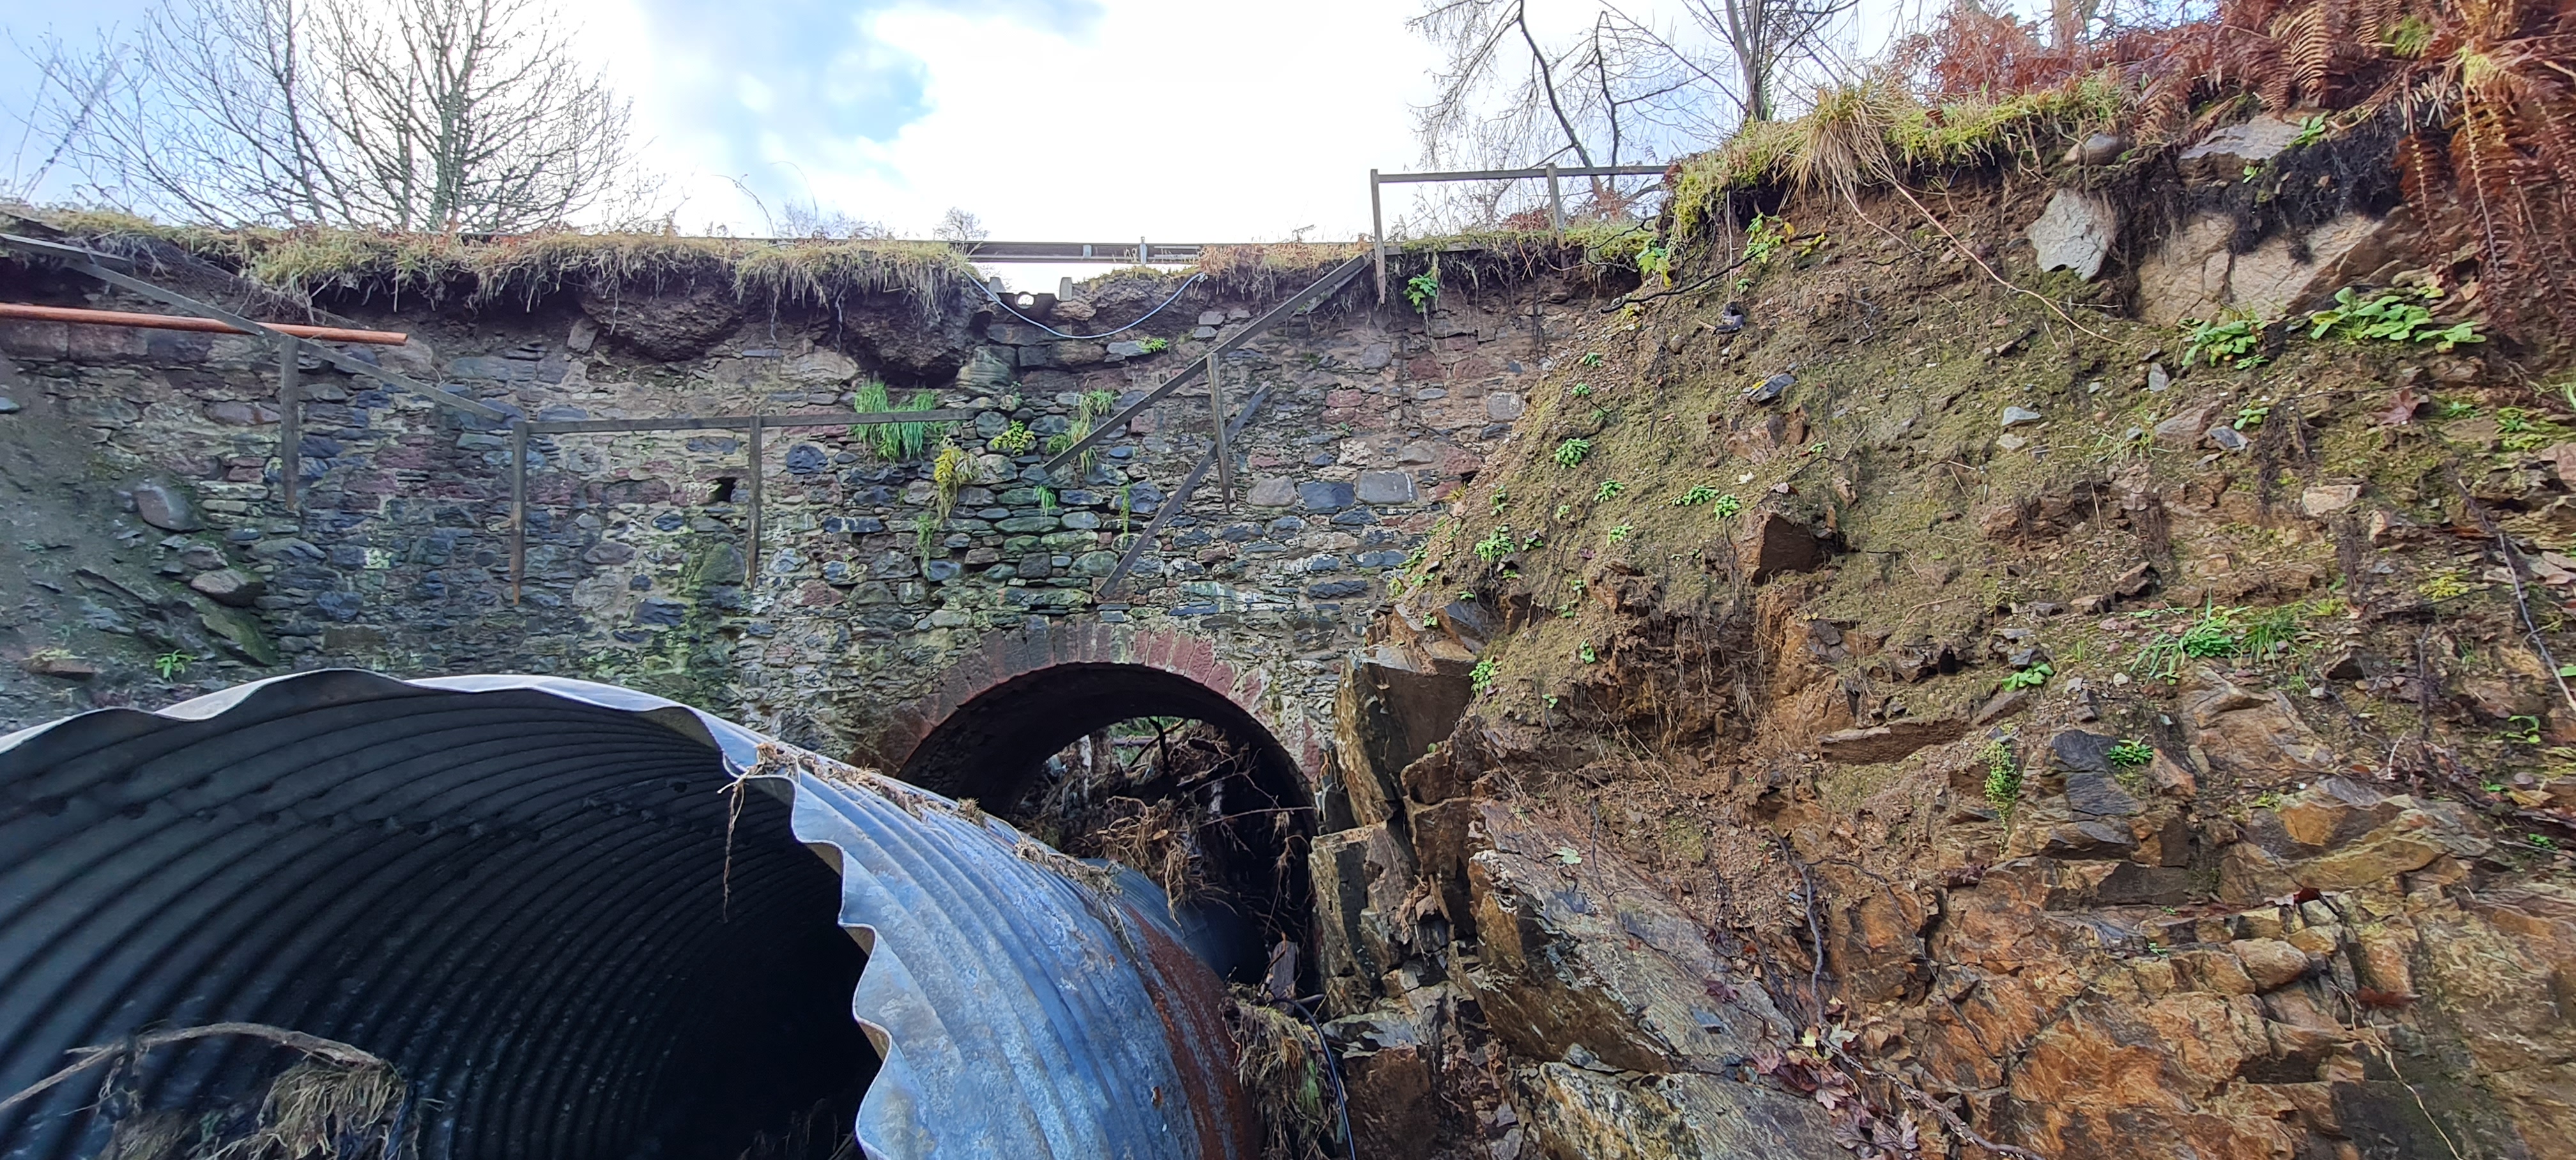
<point>1555,195</point>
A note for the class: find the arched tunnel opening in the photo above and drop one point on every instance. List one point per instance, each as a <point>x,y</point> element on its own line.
<point>1152,769</point>
<point>565,927</point>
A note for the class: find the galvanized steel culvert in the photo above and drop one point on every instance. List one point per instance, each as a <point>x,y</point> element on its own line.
<point>578,921</point>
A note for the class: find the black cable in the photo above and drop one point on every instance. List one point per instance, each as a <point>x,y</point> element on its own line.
<point>1015,311</point>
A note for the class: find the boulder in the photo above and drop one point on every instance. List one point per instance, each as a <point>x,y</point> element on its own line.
<point>2194,275</point>
<point>2327,499</point>
<point>1778,543</point>
<point>1363,877</point>
<point>1386,487</point>
<point>229,586</point>
<point>167,506</point>
<point>2224,154</point>
<point>2075,231</point>
<point>2255,734</point>
<point>2270,962</point>
<point>1579,1111</point>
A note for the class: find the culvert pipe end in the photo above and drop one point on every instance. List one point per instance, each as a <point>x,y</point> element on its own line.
<point>553,907</point>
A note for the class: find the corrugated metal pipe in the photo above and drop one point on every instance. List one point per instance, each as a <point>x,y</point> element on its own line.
<point>571,920</point>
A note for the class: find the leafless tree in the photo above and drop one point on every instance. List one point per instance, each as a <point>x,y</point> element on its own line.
<point>957,225</point>
<point>1771,41</point>
<point>458,115</point>
<point>1593,82</point>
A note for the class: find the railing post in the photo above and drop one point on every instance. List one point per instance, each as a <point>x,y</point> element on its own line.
<point>290,422</point>
<point>1216,413</point>
<point>1377,236</point>
<point>751,559</point>
<point>1555,202</point>
<point>518,507</point>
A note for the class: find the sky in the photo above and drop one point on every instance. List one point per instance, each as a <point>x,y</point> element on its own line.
<point>1050,120</point>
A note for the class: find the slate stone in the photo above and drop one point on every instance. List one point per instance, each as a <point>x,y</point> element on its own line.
<point>2017,415</point>
<point>229,587</point>
<point>1356,517</point>
<point>1504,406</point>
<point>1386,487</point>
<point>1771,389</point>
<point>9,406</point>
<point>2075,232</point>
<point>806,459</point>
<point>658,611</point>
<point>1082,521</point>
<point>2098,795</point>
<point>166,506</point>
<point>1284,527</point>
<point>940,571</point>
<point>2229,438</point>
<point>2075,749</point>
<point>1099,563</point>
<point>340,606</point>
<point>1272,492</point>
<point>609,552</point>
<point>1027,524</point>
<point>1324,495</point>
<point>1238,533</point>
<point>1337,589</point>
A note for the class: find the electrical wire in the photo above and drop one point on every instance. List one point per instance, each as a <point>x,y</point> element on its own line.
<point>1015,311</point>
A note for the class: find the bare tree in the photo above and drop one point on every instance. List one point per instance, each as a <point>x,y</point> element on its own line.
<point>454,115</point>
<point>957,225</point>
<point>1770,39</point>
<point>1610,91</point>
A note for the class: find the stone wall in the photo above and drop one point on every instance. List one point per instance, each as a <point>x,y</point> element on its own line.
<point>151,522</point>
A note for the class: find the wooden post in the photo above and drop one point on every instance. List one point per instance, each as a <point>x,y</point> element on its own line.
<point>518,507</point>
<point>1216,414</point>
<point>1377,236</point>
<point>1555,203</point>
<point>751,563</point>
<point>290,423</point>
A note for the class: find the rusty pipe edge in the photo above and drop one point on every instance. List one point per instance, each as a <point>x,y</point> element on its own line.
<point>553,906</point>
<point>31,312</point>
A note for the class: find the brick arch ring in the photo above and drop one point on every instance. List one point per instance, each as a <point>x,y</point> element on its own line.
<point>1019,696</point>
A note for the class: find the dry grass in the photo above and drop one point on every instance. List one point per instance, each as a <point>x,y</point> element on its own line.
<point>519,270</point>
<point>1277,1061</point>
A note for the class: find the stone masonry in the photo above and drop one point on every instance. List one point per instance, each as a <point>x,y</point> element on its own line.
<point>636,548</point>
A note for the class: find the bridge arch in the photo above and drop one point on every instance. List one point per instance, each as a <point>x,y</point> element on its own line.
<point>1021,697</point>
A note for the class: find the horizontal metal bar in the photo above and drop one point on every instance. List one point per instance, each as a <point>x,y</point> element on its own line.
<point>1322,288</point>
<point>1102,252</point>
<point>31,312</point>
<point>1517,174</point>
<point>95,265</point>
<point>744,422</point>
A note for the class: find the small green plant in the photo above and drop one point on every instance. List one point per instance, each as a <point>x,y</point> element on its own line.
<point>2312,129</point>
<point>172,664</point>
<point>2252,171</point>
<point>1728,505</point>
<point>894,442</point>
<point>1585,654</point>
<point>2522,728</point>
<point>1609,490</point>
<point>1572,452</point>
<point>2029,678</point>
<point>1622,532</point>
<point>2445,584</point>
<point>1495,546</point>
<point>1563,511</point>
<point>2251,415</point>
<point>1532,539</point>
<point>1653,261</point>
<point>2395,316</point>
<point>2543,841</point>
<point>1420,289</point>
<point>1499,500</point>
<point>1154,345</point>
<point>1699,493</point>
<point>2131,753</point>
<point>925,533</point>
<point>2268,800</point>
<point>2003,776</point>
<point>2233,340</point>
<point>1014,440</point>
<point>1481,677</point>
<point>1764,238</point>
<point>2456,409</point>
<point>1590,358</point>
<point>1581,391</point>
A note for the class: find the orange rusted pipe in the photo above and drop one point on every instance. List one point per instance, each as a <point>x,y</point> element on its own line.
<point>184,322</point>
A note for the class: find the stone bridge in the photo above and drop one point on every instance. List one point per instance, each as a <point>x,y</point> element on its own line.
<point>869,628</point>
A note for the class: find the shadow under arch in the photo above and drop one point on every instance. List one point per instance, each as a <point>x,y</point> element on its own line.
<point>994,746</point>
